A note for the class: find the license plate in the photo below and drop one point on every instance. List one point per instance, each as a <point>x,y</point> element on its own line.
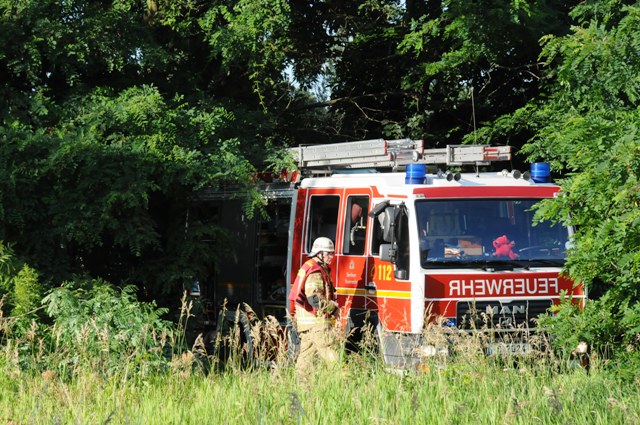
<point>511,348</point>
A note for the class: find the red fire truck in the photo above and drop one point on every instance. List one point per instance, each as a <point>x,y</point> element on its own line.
<point>415,241</point>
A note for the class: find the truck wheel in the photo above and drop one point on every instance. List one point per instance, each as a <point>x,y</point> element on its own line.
<point>234,341</point>
<point>293,342</point>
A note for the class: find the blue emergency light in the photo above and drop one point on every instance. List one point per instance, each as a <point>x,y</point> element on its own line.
<point>415,174</point>
<point>541,172</point>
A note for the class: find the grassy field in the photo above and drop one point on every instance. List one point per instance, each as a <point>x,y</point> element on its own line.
<point>85,369</point>
<point>482,391</point>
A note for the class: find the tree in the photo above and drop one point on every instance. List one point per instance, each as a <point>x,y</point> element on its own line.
<point>422,69</point>
<point>108,131</point>
<point>478,61</point>
<point>586,124</point>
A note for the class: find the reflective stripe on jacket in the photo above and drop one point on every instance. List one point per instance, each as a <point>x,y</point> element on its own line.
<point>305,320</point>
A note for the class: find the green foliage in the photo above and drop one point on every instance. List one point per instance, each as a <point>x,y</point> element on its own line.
<point>27,293</point>
<point>141,159</point>
<point>65,47</point>
<point>475,61</point>
<point>98,326</point>
<point>586,126</point>
<point>479,391</point>
<point>7,269</point>
<point>608,325</point>
<point>114,116</point>
<point>571,325</point>
<point>591,131</point>
<point>251,33</point>
<point>20,290</point>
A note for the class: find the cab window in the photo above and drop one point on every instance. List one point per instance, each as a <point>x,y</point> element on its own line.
<point>355,227</point>
<point>323,218</point>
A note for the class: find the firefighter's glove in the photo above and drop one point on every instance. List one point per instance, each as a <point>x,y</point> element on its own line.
<point>329,308</point>
<point>315,302</point>
<point>335,309</point>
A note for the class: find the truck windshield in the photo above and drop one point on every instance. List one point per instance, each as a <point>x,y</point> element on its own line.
<point>486,231</point>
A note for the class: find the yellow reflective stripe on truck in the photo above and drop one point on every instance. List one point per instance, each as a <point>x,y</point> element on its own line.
<point>378,293</point>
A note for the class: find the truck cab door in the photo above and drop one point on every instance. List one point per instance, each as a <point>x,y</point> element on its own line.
<point>351,259</point>
<point>387,287</point>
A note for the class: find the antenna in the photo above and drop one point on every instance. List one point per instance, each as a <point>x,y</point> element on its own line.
<point>473,115</point>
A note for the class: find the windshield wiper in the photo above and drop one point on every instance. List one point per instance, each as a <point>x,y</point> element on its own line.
<point>436,264</point>
<point>492,264</point>
<point>557,262</point>
<point>474,264</point>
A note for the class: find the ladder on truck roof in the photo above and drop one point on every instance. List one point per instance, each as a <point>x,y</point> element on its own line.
<point>394,154</point>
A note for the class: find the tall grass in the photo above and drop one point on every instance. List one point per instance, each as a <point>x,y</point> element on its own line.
<point>349,394</point>
<point>186,386</point>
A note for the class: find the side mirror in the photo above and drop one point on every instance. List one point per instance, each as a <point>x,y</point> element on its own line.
<point>400,274</point>
<point>388,224</point>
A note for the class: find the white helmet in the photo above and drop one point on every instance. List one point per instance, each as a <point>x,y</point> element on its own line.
<point>322,244</point>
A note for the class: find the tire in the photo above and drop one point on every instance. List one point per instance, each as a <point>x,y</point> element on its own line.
<point>232,324</point>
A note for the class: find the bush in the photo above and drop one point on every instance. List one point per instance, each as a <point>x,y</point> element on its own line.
<point>107,329</point>
<point>610,328</point>
<point>26,292</point>
<point>19,287</point>
<point>7,271</point>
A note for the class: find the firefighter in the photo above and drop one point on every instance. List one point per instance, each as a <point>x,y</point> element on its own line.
<point>316,310</point>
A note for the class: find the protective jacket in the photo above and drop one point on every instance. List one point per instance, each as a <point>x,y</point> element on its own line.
<point>308,315</point>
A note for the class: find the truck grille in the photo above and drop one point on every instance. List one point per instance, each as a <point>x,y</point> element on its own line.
<point>503,315</point>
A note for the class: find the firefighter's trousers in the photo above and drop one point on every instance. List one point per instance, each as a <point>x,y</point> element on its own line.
<point>317,344</point>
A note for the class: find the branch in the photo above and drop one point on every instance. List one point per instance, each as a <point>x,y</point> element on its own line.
<point>345,99</point>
